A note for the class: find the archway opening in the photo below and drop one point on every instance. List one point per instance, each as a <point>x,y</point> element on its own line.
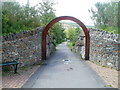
<point>51,23</point>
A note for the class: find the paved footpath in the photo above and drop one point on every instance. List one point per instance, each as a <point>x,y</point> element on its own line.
<point>64,69</point>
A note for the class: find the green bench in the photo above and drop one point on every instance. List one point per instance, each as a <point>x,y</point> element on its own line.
<point>14,63</point>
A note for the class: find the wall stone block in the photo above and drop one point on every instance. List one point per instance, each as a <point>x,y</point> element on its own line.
<point>24,47</point>
<point>104,48</point>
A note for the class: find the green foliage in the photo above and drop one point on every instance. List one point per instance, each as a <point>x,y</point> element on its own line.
<point>17,18</point>
<point>105,16</point>
<point>46,12</point>
<point>46,15</point>
<point>72,34</point>
<point>56,32</point>
<point>115,30</point>
<point>69,44</point>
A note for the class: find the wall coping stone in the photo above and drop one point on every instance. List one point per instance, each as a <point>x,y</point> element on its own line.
<point>20,35</point>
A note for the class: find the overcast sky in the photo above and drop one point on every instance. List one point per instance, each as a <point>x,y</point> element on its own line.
<point>75,8</point>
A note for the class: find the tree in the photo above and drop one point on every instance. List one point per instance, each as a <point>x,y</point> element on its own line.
<point>105,15</point>
<point>119,16</point>
<point>72,34</point>
<point>16,18</point>
<point>46,12</point>
<point>46,15</point>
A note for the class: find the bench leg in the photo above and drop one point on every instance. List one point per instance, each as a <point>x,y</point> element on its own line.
<point>15,68</point>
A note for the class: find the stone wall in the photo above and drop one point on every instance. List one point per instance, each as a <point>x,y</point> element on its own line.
<point>24,47</point>
<point>79,47</point>
<point>103,48</point>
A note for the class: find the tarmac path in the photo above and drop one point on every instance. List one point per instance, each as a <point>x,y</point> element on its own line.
<point>64,69</point>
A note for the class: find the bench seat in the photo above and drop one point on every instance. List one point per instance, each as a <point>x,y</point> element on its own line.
<point>14,63</point>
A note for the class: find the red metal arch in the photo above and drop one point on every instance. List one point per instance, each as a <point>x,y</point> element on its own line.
<point>51,23</point>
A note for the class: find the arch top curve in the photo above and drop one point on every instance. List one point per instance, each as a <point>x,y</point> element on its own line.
<point>57,19</point>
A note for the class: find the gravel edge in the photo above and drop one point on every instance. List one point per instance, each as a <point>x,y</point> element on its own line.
<point>110,76</point>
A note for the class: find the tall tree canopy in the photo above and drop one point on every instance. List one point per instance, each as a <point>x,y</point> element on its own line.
<point>46,15</point>
<point>106,16</point>
<point>17,18</point>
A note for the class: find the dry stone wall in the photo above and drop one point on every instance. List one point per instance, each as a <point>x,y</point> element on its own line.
<point>104,48</point>
<point>25,47</point>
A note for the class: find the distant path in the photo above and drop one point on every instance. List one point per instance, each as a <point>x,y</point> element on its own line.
<point>58,74</point>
